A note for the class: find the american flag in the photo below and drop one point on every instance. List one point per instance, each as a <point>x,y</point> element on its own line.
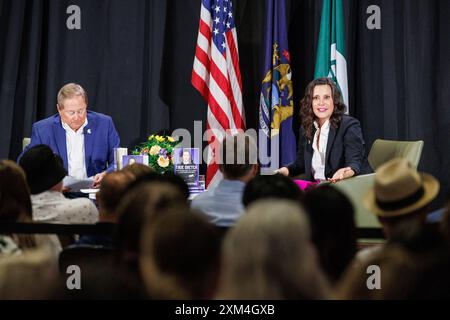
<point>216,75</point>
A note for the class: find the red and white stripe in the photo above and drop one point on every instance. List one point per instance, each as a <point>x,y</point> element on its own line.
<point>218,78</point>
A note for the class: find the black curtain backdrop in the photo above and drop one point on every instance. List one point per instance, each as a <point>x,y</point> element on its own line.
<point>135,60</point>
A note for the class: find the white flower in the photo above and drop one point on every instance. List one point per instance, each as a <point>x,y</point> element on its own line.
<point>163,162</point>
<point>154,150</point>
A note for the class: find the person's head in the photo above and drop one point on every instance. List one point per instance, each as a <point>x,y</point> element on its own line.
<point>180,256</point>
<point>400,196</point>
<point>239,157</point>
<point>333,228</point>
<point>72,105</point>
<point>172,179</point>
<point>268,255</point>
<point>186,157</point>
<point>15,202</point>
<point>112,189</point>
<point>322,101</point>
<point>28,276</point>
<point>392,271</point>
<point>401,271</point>
<point>138,170</point>
<point>142,200</point>
<point>43,168</point>
<point>270,186</point>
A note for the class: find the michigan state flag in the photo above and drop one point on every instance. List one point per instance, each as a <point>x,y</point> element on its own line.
<point>276,105</point>
<point>330,60</point>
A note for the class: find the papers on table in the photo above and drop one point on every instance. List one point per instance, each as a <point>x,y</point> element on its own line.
<point>75,184</point>
<point>89,190</point>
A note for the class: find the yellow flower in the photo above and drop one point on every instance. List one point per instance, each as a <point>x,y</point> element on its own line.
<point>160,139</point>
<point>151,137</point>
<point>154,150</point>
<point>171,139</point>
<point>163,161</point>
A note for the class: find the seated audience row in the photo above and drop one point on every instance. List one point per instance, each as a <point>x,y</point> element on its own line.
<point>251,237</point>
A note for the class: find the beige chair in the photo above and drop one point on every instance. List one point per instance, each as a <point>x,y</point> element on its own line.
<point>382,151</point>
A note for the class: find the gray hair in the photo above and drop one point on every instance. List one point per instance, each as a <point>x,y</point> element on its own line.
<point>268,255</point>
<point>70,90</point>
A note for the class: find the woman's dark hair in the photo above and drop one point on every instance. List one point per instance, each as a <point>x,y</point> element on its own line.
<point>307,115</point>
<point>333,228</point>
<point>274,186</point>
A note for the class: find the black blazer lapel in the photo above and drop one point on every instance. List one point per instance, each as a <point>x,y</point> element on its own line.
<point>331,138</point>
<point>308,156</point>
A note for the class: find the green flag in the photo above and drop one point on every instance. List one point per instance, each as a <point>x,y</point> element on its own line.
<point>330,59</point>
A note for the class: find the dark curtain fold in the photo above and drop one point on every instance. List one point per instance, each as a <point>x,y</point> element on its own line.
<point>135,59</point>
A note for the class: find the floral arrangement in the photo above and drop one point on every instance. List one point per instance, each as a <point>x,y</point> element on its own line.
<point>159,150</point>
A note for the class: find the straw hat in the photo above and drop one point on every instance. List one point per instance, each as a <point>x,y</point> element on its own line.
<point>399,189</point>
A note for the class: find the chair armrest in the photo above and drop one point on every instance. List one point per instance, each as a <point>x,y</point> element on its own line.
<point>355,189</point>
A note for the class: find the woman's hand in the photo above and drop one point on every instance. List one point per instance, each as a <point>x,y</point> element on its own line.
<point>284,171</point>
<point>342,174</point>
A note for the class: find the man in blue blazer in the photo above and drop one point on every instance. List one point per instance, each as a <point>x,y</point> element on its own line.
<point>85,140</point>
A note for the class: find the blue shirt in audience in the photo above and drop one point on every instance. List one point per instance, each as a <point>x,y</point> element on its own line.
<point>435,216</point>
<point>222,204</point>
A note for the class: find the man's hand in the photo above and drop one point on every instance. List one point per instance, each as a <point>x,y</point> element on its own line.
<point>65,190</point>
<point>97,179</point>
<point>342,174</point>
<point>284,171</point>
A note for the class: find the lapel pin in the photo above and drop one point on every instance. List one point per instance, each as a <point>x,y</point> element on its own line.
<point>89,131</point>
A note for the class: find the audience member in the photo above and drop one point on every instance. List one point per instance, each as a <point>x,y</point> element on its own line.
<point>170,178</point>
<point>138,170</point>
<point>145,199</point>
<point>400,198</point>
<point>15,206</point>
<point>414,267</point>
<point>31,275</point>
<point>271,186</point>
<point>333,228</point>
<point>268,254</point>
<point>223,204</point>
<point>112,190</point>
<point>180,255</point>
<point>45,172</point>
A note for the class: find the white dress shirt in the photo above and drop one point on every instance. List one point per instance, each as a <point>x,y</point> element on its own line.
<point>75,151</point>
<point>320,150</point>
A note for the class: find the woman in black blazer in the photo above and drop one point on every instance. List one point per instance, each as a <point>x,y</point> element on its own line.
<point>342,155</point>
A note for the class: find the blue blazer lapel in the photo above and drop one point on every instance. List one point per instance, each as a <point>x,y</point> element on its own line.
<point>60,139</point>
<point>89,133</point>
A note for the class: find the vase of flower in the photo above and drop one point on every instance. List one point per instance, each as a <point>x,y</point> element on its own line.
<point>160,152</point>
